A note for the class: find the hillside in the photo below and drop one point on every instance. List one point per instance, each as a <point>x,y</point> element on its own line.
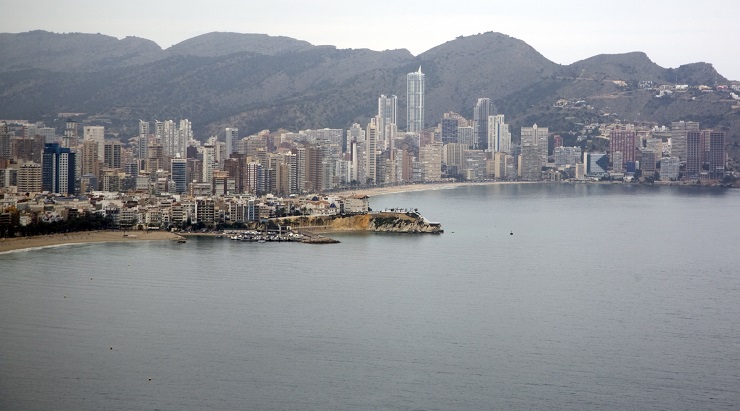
<point>256,82</point>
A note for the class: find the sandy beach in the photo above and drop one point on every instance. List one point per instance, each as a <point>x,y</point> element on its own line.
<point>21,243</point>
<point>377,191</point>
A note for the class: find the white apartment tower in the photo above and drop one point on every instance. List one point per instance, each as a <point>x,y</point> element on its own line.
<point>143,140</point>
<point>95,133</point>
<point>499,136</point>
<point>415,101</point>
<point>387,113</point>
<point>371,141</point>
<point>231,135</point>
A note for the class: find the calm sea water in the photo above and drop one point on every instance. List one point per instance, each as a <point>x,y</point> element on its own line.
<point>604,297</point>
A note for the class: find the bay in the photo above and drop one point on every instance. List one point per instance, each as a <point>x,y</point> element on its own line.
<point>537,296</point>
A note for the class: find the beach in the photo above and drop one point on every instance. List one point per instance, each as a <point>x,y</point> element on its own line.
<point>21,243</point>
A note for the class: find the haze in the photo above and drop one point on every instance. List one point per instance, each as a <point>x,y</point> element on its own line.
<point>672,33</point>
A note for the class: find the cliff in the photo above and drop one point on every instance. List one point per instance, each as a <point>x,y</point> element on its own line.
<point>391,222</point>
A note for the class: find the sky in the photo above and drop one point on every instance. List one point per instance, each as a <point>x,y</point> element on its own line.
<point>671,33</point>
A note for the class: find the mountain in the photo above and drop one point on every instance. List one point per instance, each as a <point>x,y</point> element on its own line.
<point>223,44</point>
<point>73,52</point>
<point>256,81</point>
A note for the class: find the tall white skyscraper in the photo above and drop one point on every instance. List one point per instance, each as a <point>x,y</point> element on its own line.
<point>143,140</point>
<point>499,136</point>
<point>371,141</point>
<point>387,113</point>
<point>95,133</point>
<point>415,101</point>
<point>184,135</point>
<point>483,109</point>
<point>209,163</point>
<point>232,134</point>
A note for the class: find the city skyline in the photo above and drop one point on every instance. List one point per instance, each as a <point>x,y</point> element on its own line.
<point>564,32</point>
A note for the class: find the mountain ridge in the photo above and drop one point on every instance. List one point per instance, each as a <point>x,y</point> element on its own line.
<point>256,81</point>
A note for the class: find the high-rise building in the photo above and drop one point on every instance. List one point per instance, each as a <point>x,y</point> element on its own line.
<point>537,137</point>
<point>96,133</point>
<point>112,151</point>
<point>49,134</point>
<point>70,134</point>
<point>231,135</point>
<point>531,162</point>
<point>466,135</point>
<point>29,178</point>
<point>499,136</point>
<point>647,163</point>
<point>430,159</point>
<point>483,109</point>
<point>669,168</point>
<point>58,170</point>
<point>179,174</point>
<point>27,149</point>
<point>371,151</point>
<point>210,163</point>
<point>624,141</point>
<point>89,160</point>
<point>5,141</point>
<point>717,154</point>
<point>678,137</point>
<point>387,115</point>
<point>693,152</point>
<point>597,164</point>
<point>184,135</point>
<point>415,101</point>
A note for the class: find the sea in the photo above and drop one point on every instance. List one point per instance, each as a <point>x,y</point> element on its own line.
<point>536,297</point>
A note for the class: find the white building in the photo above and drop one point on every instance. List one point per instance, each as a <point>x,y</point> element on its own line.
<point>95,133</point>
<point>415,101</point>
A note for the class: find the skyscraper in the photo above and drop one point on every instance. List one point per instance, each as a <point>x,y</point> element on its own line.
<point>179,174</point>
<point>499,136</point>
<point>371,159</point>
<point>387,116</point>
<point>483,109</point>
<point>693,152</point>
<point>232,134</point>
<point>415,101</point>
<point>717,154</point>
<point>112,151</point>
<point>624,141</point>
<point>70,134</point>
<point>96,133</point>
<point>58,170</point>
<point>536,136</point>
<point>143,142</point>
<point>678,137</point>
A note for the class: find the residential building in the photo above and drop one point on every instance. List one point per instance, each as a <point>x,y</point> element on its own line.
<point>481,113</point>
<point>536,137</point>
<point>95,133</point>
<point>415,101</point>
<point>58,170</point>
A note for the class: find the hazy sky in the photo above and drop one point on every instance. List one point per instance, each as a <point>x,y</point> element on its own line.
<point>671,32</point>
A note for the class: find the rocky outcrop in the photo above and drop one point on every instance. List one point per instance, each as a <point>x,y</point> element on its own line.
<point>390,222</point>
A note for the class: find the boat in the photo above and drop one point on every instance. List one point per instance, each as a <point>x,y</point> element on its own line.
<point>182,241</point>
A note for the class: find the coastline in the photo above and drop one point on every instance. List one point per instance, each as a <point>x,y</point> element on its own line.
<point>81,237</point>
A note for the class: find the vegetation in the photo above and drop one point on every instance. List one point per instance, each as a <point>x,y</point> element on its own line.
<point>83,222</point>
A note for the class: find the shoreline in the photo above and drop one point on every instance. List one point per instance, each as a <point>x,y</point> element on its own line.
<point>8,245</point>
